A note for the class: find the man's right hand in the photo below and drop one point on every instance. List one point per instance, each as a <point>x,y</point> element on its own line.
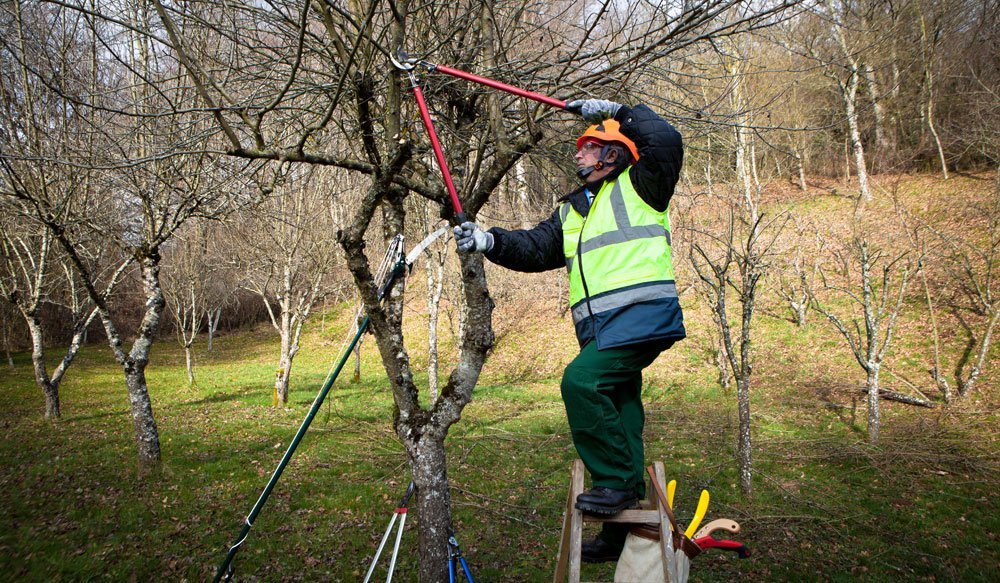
<point>471,239</point>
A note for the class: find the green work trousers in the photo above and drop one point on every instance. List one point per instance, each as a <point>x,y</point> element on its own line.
<point>602,391</point>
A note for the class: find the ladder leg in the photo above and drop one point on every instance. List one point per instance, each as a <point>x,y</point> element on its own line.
<point>568,562</point>
<point>666,534</point>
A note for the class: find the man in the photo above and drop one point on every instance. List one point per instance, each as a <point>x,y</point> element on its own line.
<point>613,236</point>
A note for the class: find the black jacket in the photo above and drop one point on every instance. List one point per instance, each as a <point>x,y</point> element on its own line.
<point>654,177</point>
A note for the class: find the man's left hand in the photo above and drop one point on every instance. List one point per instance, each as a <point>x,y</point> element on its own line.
<point>594,110</point>
<point>472,239</point>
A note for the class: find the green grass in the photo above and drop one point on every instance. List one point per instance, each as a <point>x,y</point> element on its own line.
<point>827,506</point>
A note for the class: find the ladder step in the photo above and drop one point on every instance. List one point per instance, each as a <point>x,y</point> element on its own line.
<point>649,512</point>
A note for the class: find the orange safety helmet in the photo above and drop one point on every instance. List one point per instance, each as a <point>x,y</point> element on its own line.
<point>608,131</point>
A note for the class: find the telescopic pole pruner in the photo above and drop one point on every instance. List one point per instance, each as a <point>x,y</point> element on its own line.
<point>400,264</point>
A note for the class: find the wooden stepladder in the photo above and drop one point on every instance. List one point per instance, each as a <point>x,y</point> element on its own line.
<point>650,511</point>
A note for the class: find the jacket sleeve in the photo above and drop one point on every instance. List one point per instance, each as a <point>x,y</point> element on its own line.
<point>536,249</point>
<point>661,153</point>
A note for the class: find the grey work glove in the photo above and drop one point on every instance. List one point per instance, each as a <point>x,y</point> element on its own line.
<point>594,110</point>
<point>471,239</point>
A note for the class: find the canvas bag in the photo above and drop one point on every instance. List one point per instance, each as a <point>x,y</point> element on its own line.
<point>641,560</point>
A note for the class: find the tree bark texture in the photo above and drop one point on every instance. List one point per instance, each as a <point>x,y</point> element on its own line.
<point>849,94</point>
<point>212,317</point>
<point>134,363</point>
<point>49,389</point>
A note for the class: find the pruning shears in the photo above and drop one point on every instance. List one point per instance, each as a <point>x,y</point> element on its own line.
<point>455,556</point>
<point>708,542</point>
<point>400,513</point>
<point>407,64</point>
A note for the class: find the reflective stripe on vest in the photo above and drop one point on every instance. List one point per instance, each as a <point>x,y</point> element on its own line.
<point>620,299</point>
<point>623,246</point>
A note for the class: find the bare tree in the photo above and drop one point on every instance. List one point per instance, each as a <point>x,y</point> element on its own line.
<point>184,279</point>
<point>930,39</point>
<point>974,266</point>
<point>848,77</point>
<point>26,281</point>
<point>144,174</point>
<point>736,260</point>
<point>286,254</point>
<point>879,301</point>
<point>800,269</point>
<point>38,130</point>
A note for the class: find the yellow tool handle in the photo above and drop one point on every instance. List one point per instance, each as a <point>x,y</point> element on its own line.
<point>698,514</point>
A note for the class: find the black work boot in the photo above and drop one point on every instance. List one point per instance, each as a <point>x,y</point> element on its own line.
<point>597,550</point>
<point>606,501</point>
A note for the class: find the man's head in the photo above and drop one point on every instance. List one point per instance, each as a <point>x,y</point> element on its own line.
<point>602,149</point>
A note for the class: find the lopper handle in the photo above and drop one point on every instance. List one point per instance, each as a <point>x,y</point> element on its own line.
<point>550,101</point>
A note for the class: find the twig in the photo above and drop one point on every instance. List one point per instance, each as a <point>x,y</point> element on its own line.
<point>907,383</point>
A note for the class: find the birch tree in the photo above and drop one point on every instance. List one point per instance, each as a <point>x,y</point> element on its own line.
<point>847,75</point>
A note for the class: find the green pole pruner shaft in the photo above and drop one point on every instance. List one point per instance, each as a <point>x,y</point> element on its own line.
<point>225,569</point>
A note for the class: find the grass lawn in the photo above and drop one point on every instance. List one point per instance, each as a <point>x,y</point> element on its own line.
<point>919,506</point>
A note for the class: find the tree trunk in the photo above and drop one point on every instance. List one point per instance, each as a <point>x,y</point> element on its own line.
<point>284,371</point>
<point>430,473</point>
<point>939,380</point>
<point>984,348</point>
<point>934,134</point>
<point>874,404</point>
<point>5,327</point>
<point>435,286</point>
<point>744,449</point>
<point>147,436</point>
<point>213,317</point>
<point>134,363</point>
<point>883,148</point>
<point>721,354</point>
<point>849,94</point>
<point>357,361</point>
<point>281,376</point>
<point>801,165</point>
<point>190,364</point>
<point>49,390</point>
<point>927,50</point>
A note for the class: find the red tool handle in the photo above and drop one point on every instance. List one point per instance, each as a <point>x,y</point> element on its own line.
<point>502,86</point>
<point>438,153</point>
<point>707,542</point>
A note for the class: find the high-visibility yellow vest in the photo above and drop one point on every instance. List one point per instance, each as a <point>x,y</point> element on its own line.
<point>621,275</point>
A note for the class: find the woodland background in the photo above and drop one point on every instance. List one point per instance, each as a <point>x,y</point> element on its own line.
<point>208,190</point>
